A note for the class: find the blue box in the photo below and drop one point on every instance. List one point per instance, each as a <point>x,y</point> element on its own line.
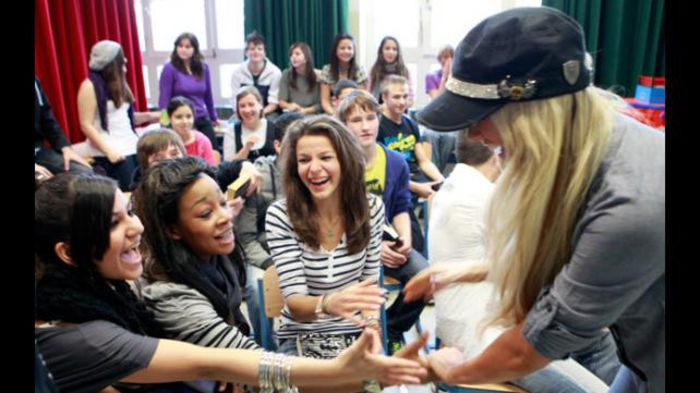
<point>650,95</point>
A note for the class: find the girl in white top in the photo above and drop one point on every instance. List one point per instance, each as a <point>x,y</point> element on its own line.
<point>254,134</point>
<point>106,114</point>
<point>325,238</point>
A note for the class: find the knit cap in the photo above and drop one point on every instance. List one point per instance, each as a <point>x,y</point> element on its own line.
<point>102,53</point>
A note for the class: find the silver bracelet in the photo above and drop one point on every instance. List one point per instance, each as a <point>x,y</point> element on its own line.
<point>279,373</point>
<point>264,371</point>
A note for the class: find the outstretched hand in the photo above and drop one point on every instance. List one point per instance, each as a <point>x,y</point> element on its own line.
<point>443,361</point>
<point>369,365</point>
<point>363,296</point>
<point>410,351</point>
<point>430,280</point>
<point>425,283</point>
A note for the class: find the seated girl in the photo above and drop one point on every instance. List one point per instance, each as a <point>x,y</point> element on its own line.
<point>195,288</point>
<point>181,114</point>
<point>324,237</point>
<point>106,114</point>
<point>254,134</point>
<point>93,331</point>
<point>299,90</point>
<point>342,66</point>
<point>389,61</point>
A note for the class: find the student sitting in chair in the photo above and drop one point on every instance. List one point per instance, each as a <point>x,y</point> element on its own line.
<point>387,177</point>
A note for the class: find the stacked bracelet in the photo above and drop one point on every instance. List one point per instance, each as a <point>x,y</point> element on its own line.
<point>274,373</point>
<point>264,371</point>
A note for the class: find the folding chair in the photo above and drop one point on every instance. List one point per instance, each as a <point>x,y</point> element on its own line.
<point>271,304</point>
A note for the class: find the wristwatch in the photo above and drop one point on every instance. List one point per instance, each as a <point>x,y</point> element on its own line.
<point>320,311</point>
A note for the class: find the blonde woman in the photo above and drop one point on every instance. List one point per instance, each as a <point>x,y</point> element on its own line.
<point>575,235</point>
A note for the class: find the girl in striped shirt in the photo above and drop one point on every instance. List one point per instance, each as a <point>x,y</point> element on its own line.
<point>324,237</point>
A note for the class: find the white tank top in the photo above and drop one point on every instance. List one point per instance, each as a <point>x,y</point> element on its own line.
<point>121,137</point>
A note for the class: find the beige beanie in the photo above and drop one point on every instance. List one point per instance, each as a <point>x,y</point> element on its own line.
<point>102,53</point>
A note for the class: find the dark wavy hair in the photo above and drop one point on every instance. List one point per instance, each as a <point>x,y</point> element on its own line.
<point>335,62</point>
<point>300,205</point>
<point>197,61</point>
<point>157,199</point>
<point>309,73</point>
<point>379,69</point>
<point>77,210</point>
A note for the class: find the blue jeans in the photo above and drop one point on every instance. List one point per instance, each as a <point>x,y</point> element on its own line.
<point>401,316</point>
<point>562,376</point>
<point>590,369</point>
<point>443,146</point>
<point>626,381</point>
<point>253,303</point>
<point>600,358</point>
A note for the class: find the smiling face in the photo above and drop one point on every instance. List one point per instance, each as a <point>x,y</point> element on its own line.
<point>390,51</point>
<point>122,259</point>
<point>297,58</point>
<point>396,99</point>
<point>181,121</point>
<point>318,166</point>
<point>345,51</point>
<point>204,221</point>
<point>184,49</point>
<point>364,125</point>
<point>255,52</point>
<point>249,109</point>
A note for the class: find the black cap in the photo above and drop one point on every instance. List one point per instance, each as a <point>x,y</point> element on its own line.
<point>517,55</point>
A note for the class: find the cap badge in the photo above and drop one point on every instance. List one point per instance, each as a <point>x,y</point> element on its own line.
<point>571,70</point>
<point>516,91</point>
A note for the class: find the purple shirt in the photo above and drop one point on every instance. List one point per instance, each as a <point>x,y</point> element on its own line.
<point>175,83</point>
<point>432,80</point>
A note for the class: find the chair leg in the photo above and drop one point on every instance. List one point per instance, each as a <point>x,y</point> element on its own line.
<point>263,319</point>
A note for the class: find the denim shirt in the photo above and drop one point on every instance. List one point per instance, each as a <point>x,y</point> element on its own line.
<point>616,275</point>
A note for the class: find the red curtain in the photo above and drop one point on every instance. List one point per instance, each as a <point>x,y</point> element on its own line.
<point>64,32</point>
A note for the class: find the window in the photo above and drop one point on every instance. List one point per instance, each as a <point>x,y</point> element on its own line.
<point>218,25</point>
<point>422,27</point>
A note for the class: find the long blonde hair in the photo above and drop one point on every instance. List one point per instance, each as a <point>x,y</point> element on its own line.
<point>553,149</point>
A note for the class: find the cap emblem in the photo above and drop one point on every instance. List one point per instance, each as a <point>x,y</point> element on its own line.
<point>516,91</point>
<point>571,70</point>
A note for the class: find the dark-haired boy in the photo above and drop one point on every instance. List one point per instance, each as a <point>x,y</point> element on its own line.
<point>257,71</point>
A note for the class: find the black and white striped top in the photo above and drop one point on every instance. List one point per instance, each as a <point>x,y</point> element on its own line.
<point>304,271</point>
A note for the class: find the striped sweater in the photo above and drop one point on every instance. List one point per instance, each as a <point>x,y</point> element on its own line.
<point>187,315</point>
<point>304,271</point>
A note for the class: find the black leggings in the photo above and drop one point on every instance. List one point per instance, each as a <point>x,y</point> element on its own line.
<point>205,126</point>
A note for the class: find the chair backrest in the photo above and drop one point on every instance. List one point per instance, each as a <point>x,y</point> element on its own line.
<point>272,295</point>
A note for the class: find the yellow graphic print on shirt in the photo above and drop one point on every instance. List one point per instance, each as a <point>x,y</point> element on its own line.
<point>402,143</point>
<point>375,175</point>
